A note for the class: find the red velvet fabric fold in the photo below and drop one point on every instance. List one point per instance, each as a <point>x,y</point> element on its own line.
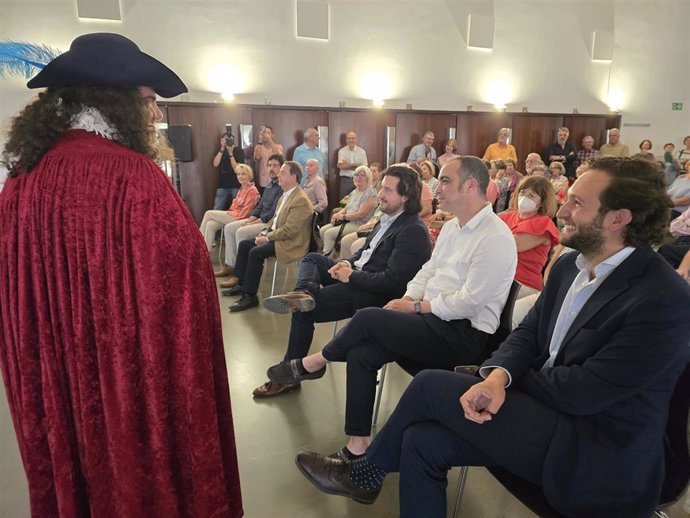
<point>110,341</point>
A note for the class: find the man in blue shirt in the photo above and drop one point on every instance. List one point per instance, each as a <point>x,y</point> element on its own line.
<point>423,151</point>
<point>309,149</point>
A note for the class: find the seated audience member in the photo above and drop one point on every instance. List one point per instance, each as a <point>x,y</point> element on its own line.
<point>451,151</point>
<point>360,207</point>
<point>427,211</point>
<point>679,191</point>
<point>314,187</point>
<point>645,147</point>
<point>559,181</point>
<point>244,201</point>
<point>587,150</point>
<point>575,404</point>
<point>684,267</point>
<point>447,314</point>
<point>672,166</point>
<point>532,160</point>
<point>503,185</point>
<point>428,177</point>
<point>376,175</point>
<point>286,237</point>
<point>327,290</point>
<point>680,230</point>
<point>540,170</point>
<point>492,189</point>
<point>563,151</point>
<point>249,228</point>
<point>263,151</point>
<point>529,218</point>
<point>501,149</point>
<point>423,151</point>
<point>684,154</point>
<point>614,147</point>
<point>581,169</point>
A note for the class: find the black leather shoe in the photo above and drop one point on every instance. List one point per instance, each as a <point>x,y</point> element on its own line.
<point>246,302</point>
<point>287,373</point>
<point>235,290</point>
<point>332,476</point>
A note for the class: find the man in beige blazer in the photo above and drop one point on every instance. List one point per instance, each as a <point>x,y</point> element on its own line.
<point>286,237</point>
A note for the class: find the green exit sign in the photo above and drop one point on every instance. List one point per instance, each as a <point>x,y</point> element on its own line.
<point>677,106</point>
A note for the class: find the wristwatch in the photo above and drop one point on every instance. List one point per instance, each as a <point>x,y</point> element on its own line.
<point>418,307</point>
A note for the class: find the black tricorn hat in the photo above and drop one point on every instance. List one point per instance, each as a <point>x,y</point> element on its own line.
<point>107,59</point>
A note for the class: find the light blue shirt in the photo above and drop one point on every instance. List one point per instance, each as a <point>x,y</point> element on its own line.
<point>579,293</point>
<point>384,224</point>
<point>419,151</point>
<point>304,153</point>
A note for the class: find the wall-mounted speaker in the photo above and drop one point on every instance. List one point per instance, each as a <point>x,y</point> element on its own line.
<point>180,138</point>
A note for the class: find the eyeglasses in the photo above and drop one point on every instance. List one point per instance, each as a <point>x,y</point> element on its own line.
<point>360,175</point>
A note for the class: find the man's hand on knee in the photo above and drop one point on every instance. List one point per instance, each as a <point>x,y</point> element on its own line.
<point>484,399</point>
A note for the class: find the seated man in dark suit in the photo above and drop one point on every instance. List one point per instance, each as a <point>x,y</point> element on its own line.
<point>576,399</point>
<point>393,253</point>
<point>286,237</point>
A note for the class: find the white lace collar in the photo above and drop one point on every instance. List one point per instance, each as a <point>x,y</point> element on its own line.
<point>90,119</point>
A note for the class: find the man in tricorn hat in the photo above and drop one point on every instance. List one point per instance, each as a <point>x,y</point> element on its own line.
<point>118,392</point>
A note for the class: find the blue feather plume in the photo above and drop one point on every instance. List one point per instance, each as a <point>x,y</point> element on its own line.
<point>24,59</point>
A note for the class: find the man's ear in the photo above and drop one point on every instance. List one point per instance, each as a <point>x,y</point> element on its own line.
<point>619,218</point>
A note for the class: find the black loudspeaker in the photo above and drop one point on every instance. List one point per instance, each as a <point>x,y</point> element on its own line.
<point>180,138</point>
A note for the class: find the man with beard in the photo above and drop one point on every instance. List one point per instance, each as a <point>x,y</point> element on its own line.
<point>119,396</point>
<point>576,399</point>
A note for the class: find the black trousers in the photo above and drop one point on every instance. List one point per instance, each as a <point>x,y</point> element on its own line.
<point>378,336</point>
<point>250,263</point>
<point>427,434</point>
<point>334,301</point>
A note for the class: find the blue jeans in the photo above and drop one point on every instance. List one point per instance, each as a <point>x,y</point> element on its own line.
<point>224,197</point>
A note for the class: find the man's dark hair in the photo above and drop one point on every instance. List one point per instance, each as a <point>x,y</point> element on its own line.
<point>39,125</point>
<point>473,167</point>
<point>637,185</point>
<point>409,184</point>
<point>295,169</point>
<point>269,127</point>
<point>277,157</point>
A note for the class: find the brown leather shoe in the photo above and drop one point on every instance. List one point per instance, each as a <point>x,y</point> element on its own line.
<point>290,302</point>
<point>224,272</point>
<point>230,283</point>
<point>271,388</point>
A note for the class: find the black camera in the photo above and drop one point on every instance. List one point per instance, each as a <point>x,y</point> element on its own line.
<point>229,139</point>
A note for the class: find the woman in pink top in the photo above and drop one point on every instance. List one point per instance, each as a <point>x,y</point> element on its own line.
<point>529,219</point>
<point>451,151</point>
<point>246,199</point>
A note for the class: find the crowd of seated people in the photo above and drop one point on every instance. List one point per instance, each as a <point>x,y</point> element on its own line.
<point>451,302</point>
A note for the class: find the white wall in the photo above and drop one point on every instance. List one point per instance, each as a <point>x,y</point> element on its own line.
<point>541,53</point>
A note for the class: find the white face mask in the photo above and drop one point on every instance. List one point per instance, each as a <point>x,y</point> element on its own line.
<point>526,204</point>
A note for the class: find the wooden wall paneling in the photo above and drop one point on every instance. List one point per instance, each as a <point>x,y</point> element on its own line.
<point>477,130</point>
<point>410,128</point>
<point>288,125</point>
<point>370,127</point>
<point>533,133</point>
<point>199,178</point>
<point>594,125</point>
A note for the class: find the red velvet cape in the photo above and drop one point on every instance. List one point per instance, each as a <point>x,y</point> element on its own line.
<point>110,341</point>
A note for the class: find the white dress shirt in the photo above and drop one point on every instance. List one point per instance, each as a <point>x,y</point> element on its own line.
<point>355,155</point>
<point>470,271</point>
<point>579,293</point>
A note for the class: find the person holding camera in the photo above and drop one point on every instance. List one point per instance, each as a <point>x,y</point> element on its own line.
<point>226,159</point>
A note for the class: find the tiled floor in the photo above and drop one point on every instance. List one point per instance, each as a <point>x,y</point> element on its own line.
<point>271,432</point>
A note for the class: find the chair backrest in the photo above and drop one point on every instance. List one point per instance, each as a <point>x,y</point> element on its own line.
<point>676,447</point>
<point>505,322</point>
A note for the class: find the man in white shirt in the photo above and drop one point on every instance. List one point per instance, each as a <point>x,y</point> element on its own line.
<point>447,313</point>
<point>576,399</point>
<point>350,158</point>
